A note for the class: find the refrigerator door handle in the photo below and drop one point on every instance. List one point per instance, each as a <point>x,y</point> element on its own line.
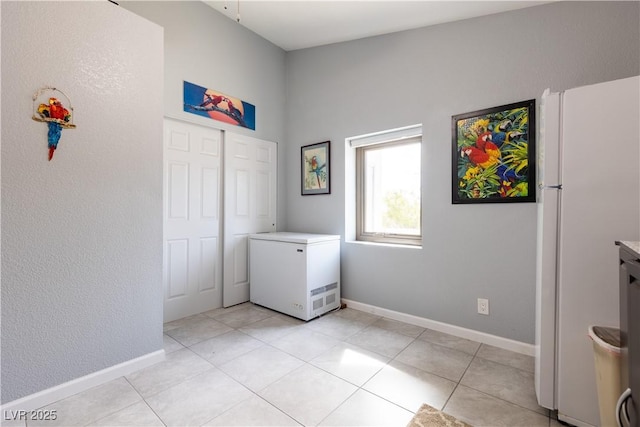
<point>550,187</point>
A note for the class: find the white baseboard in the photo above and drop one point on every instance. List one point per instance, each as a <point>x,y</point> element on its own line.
<point>470,334</point>
<point>53,394</point>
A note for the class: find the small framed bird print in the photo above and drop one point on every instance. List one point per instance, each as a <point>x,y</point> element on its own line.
<point>316,172</point>
<point>493,154</point>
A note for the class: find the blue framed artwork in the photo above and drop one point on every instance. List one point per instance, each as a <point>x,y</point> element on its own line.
<point>216,105</point>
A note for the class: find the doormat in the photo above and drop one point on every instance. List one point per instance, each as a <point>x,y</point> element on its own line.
<point>428,416</point>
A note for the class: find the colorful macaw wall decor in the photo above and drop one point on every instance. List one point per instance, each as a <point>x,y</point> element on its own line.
<point>216,105</point>
<point>315,169</point>
<point>494,154</point>
<point>48,108</point>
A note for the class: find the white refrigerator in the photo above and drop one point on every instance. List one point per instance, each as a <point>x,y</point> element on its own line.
<point>588,197</point>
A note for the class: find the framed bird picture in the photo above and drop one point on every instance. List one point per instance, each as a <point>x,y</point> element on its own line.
<point>493,154</point>
<point>315,167</point>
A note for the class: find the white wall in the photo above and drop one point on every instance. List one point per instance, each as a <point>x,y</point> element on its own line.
<point>426,76</point>
<point>82,234</point>
<point>208,49</point>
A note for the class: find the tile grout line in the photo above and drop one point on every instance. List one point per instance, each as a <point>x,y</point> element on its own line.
<point>145,402</point>
<point>491,395</point>
<point>253,394</point>
<point>341,341</point>
<point>461,376</point>
<point>338,406</point>
<point>188,378</point>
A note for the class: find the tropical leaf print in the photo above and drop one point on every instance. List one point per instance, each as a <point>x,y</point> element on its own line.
<point>493,155</point>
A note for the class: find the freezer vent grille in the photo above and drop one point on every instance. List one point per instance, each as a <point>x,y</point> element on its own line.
<point>330,299</point>
<point>323,289</point>
<point>317,304</point>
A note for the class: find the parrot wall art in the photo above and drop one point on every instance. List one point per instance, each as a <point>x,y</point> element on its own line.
<point>55,115</point>
<point>218,106</point>
<point>316,171</point>
<point>315,168</point>
<point>492,152</point>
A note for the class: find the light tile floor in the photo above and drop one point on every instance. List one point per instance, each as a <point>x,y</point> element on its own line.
<point>250,366</point>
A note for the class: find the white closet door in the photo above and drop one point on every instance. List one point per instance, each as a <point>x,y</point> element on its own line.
<point>249,207</point>
<point>192,273</point>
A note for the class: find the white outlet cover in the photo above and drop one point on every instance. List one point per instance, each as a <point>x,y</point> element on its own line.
<point>483,306</point>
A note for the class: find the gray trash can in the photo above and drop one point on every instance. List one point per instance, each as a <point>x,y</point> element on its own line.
<point>606,352</point>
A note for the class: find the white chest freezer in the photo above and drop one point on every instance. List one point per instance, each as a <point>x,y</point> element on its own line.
<point>294,273</point>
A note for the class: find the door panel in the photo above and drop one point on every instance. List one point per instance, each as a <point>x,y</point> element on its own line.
<point>250,207</point>
<point>240,260</point>
<point>210,185</point>
<point>177,275</point>
<point>178,190</point>
<point>192,248</point>
<point>208,261</point>
<point>242,193</point>
<point>263,193</point>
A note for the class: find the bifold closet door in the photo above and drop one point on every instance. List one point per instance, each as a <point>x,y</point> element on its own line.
<point>250,167</point>
<point>192,272</point>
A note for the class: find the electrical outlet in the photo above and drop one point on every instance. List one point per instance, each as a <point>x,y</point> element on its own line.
<point>483,306</point>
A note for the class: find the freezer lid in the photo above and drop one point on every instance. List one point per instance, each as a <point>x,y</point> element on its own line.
<point>288,237</point>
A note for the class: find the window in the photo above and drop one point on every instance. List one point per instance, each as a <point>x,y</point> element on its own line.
<point>388,170</point>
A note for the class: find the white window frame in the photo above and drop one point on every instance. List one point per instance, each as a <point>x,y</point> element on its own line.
<point>361,144</point>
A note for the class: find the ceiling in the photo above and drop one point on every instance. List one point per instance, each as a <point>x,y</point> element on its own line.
<point>298,24</point>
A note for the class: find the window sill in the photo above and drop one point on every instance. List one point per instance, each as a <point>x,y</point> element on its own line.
<point>386,245</point>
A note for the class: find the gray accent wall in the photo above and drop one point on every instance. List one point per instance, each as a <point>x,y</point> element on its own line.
<point>426,76</point>
<point>208,49</point>
<point>81,234</point>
